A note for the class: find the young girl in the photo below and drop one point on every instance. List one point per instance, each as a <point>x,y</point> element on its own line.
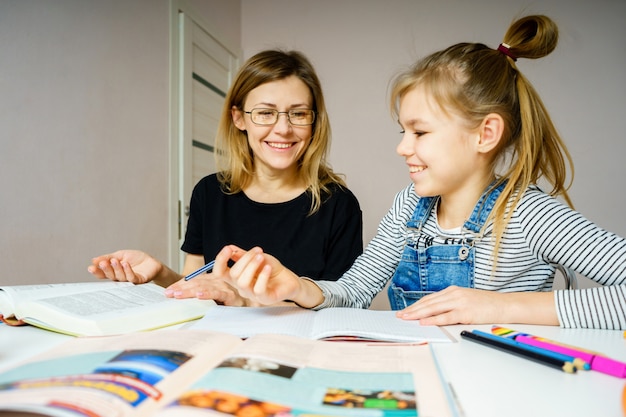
<point>274,187</point>
<point>473,239</point>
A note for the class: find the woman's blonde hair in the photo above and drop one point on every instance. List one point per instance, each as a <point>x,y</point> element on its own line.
<point>472,80</point>
<point>235,161</point>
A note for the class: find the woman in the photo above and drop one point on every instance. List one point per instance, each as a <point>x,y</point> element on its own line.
<point>273,188</point>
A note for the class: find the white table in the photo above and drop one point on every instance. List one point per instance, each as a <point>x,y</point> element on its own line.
<point>486,382</point>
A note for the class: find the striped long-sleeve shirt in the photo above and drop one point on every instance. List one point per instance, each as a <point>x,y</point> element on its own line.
<point>542,232</point>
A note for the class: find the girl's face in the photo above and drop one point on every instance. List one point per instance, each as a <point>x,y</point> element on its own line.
<point>276,147</point>
<point>438,148</point>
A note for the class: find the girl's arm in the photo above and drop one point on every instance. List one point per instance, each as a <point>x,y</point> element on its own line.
<point>593,308</point>
<point>563,236</point>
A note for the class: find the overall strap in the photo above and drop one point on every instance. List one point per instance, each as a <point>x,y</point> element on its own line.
<point>421,212</point>
<point>483,208</point>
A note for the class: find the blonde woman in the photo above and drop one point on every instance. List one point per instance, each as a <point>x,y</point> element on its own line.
<point>274,187</point>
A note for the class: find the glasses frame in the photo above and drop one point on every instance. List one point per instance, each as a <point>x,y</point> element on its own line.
<point>277,113</point>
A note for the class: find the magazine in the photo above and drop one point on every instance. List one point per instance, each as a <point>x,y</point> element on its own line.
<point>172,373</point>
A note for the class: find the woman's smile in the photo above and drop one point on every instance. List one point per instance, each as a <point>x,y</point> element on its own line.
<point>280,145</point>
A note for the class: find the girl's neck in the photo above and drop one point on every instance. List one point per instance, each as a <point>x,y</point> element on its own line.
<point>453,210</point>
<point>450,216</point>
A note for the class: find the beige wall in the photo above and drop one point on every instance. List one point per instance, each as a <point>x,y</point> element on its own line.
<point>84,116</point>
<point>85,95</point>
<point>357,45</point>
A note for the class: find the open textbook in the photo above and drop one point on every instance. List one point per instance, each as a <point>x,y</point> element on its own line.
<point>96,308</point>
<point>187,373</point>
<point>336,323</point>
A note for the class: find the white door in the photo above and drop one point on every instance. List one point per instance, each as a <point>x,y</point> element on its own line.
<point>205,71</point>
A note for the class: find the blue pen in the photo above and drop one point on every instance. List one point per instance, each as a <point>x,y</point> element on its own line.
<point>206,268</point>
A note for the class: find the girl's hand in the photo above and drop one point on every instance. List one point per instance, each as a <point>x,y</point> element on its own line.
<point>456,305</point>
<point>126,265</point>
<point>257,276</point>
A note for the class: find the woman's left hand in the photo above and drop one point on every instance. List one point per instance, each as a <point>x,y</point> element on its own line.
<point>207,287</point>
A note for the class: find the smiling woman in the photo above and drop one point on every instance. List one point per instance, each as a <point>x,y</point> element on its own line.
<point>274,187</point>
<point>277,144</point>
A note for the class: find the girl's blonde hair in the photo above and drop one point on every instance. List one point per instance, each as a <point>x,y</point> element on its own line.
<point>472,80</point>
<point>235,161</point>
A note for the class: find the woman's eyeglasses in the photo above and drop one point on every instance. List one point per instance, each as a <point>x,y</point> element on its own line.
<point>297,117</point>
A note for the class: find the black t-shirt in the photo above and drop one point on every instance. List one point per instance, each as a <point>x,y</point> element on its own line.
<point>321,246</point>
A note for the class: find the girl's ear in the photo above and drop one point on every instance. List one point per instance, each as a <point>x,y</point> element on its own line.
<point>237,116</point>
<point>490,132</point>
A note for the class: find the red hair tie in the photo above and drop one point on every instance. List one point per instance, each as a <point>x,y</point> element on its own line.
<point>505,49</point>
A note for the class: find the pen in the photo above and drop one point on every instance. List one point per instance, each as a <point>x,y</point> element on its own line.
<point>597,361</point>
<point>205,268</point>
<point>528,352</point>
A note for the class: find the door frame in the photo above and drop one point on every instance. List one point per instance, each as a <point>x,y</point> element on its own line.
<point>179,150</point>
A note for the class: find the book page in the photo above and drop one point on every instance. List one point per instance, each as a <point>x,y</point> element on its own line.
<point>111,311</point>
<point>124,375</point>
<point>11,294</point>
<point>373,324</point>
<point>248,321</point>
<point>338,322</point>
<point>279,375</point>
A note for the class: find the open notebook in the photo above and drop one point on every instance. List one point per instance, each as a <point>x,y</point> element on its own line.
<point>329,324</point>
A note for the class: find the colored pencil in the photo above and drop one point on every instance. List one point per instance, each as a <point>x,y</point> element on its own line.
<point>205,268</point>
<point>581,361</point>
<point>528,352</point>
<point>597,361</point>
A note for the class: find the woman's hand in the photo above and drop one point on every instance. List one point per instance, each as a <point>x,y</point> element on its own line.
<point>126,265</point>
<point>456,305</point>
<point>207,287</point>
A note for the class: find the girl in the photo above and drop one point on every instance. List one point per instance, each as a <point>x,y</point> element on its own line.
<point>473,239</point>
<point>274,187</point>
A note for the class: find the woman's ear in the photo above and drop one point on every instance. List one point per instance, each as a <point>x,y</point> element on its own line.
<point>490,132</point>
<point>238,120</point>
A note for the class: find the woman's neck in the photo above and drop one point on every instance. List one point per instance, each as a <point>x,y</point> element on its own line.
<point>274,188</point>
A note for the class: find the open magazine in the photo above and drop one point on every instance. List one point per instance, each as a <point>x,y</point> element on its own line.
<point>199,373</point>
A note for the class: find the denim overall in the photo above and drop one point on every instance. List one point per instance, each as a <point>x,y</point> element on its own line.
<point>425,266</point>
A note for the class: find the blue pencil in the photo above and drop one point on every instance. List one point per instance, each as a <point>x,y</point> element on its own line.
<point>511,346</point>
<point>206,268</point>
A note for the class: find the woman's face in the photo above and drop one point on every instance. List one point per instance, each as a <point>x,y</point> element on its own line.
<point>276,147</point>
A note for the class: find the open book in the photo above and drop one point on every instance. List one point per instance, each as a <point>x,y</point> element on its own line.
<point>186,373</point>
<point>336,323</point>
<point>96,308</point>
